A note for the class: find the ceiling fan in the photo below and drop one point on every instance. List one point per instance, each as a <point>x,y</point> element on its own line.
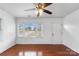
<point>40,7</point>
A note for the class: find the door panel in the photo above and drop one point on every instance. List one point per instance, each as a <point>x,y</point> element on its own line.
<point>56,35</point>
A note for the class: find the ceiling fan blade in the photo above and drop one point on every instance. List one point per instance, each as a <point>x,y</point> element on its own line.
<point>47,4</point>
<point>46,11</point>
<point>30,9</point>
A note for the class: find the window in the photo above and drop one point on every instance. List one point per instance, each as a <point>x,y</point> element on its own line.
<point>29,29</point>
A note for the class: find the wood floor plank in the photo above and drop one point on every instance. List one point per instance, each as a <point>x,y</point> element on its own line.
<point>39,50</point>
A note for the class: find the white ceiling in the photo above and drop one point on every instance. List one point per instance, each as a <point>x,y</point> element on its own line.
<point>58,9</point>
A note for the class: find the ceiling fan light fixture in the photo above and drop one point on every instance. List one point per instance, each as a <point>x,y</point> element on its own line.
<point>40,7</point>
<point>39,12</point>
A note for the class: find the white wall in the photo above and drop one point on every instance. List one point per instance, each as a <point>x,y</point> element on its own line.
<point>71,31</point>
<point>47,37</point>
<point>7,32</point>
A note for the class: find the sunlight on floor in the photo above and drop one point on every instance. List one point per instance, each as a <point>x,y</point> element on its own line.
<point>30,53</point>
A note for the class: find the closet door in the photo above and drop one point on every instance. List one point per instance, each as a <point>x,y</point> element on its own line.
<point>56,35</point>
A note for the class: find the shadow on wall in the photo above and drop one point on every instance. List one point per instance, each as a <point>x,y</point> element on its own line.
<point>71,31</point>
<point>7,28</point>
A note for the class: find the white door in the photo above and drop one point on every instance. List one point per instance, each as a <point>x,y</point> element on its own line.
<point>56,35</point>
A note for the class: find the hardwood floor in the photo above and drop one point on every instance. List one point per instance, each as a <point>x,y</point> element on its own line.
<point>39,50</point>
